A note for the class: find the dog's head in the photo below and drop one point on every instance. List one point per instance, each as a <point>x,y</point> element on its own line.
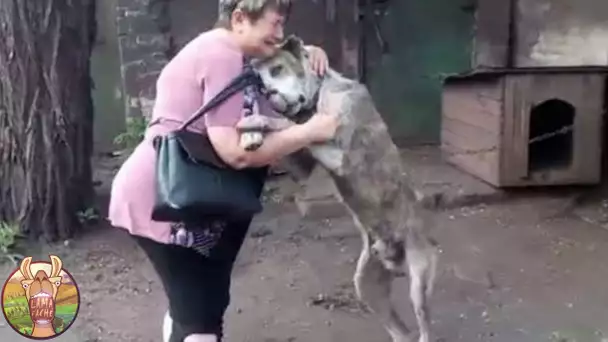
<point>290,83</point>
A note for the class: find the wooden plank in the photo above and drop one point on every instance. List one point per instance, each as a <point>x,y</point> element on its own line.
<point>468,103</point>
<point>465,102</point>
<point>471,137</point>
<point>514,147</point>
<point>482,165</point>
<point>588,135</point>
<point>483,122</point>
<point>471,126</point>
<point>476,156</point>
<point>476,94</point>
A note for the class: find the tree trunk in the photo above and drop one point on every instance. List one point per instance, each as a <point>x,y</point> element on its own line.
<point>46,114</point>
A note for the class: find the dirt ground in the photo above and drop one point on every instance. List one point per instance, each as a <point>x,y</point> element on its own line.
<point>524,271</point>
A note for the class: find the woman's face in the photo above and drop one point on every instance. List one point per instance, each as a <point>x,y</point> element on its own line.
<point>260,38</point>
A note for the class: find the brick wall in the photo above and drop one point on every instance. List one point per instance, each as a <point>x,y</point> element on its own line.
<point>145,45</point>
<point>148,38</point>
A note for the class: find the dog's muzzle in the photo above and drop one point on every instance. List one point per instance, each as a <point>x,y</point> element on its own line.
<point>280,105</point>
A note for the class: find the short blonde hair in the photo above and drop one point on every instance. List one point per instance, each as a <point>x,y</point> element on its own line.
<point>254,9</point>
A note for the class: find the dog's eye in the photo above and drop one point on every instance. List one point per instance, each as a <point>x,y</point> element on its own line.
<point>276,70</point>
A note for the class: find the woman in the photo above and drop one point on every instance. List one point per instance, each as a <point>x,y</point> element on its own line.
<point>196,275</point>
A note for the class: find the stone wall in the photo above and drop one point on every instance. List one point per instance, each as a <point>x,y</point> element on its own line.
<point>536,33</point>
<point>105,71</point>
<point>150,31</point>
<point>145,45</point>
<point>191,17</point>
<point>562,32</point>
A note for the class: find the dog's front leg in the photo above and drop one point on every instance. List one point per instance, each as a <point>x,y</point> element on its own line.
<point>373,286</point>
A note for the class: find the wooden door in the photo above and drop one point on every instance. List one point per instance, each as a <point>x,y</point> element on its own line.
<point>426,39</point>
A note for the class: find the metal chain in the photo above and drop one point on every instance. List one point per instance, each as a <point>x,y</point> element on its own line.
<point>549,135</point>
<point>539,138</point>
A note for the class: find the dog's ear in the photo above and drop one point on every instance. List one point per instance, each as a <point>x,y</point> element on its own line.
<point>294,45</point>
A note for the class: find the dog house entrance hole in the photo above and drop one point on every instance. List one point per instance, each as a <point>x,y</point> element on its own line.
<point>554,152</point>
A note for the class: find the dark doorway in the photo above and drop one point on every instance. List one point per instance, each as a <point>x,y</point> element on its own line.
<point>553,152</point>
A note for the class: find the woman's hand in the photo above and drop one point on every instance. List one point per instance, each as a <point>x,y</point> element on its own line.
<point>322,127</point>
<point>318,59</point>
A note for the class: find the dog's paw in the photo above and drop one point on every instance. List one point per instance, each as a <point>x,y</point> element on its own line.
<point>424,338</point>
<point>262,123</point>
<point>251,141</point>
<point>411,337</point>
<point>253,123</point>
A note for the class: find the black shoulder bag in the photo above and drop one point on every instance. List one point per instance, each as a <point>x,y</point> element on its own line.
<point>192,181</point>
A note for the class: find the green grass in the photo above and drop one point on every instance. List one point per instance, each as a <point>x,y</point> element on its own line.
<point>64,315</point>
<point>19,301</point>
<point>24,321</point>
<point>67,313</point>
<point>25,330</point>
<point>66,310</point>
<point>136,129</point>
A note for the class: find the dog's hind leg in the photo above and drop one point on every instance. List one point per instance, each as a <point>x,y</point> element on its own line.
<point>422,267</point>
<point>373,285</point>
<point>167,327</point>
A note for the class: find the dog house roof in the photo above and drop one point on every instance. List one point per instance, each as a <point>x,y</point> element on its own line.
<point>485,73</point>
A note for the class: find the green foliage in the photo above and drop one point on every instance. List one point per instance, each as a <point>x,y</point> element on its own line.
<point>19,316</point>
<point>58,324</point>
<point>136,128</point>
<point>26,331</point>
<point>89,215</point>
<point>18,312</point>
<point>9,233</point>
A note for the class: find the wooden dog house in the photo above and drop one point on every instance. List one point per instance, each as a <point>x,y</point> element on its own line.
<point>497,125</point>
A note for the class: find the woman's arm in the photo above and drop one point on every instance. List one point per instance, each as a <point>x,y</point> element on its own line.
<point>276,145</point>
<point>216,71</point>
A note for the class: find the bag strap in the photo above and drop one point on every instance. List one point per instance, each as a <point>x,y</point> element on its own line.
<point>250,92</point>
<point>247,78</point>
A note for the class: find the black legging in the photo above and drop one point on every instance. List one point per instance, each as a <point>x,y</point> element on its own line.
<point>197,286</point>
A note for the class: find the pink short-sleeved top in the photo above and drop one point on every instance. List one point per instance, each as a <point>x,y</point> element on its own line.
<point>195,75</point>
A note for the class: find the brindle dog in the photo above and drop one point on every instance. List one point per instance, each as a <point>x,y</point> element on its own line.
<point>367,169</point>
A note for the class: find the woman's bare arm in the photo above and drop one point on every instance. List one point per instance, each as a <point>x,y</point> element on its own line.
<point>277,145</point>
